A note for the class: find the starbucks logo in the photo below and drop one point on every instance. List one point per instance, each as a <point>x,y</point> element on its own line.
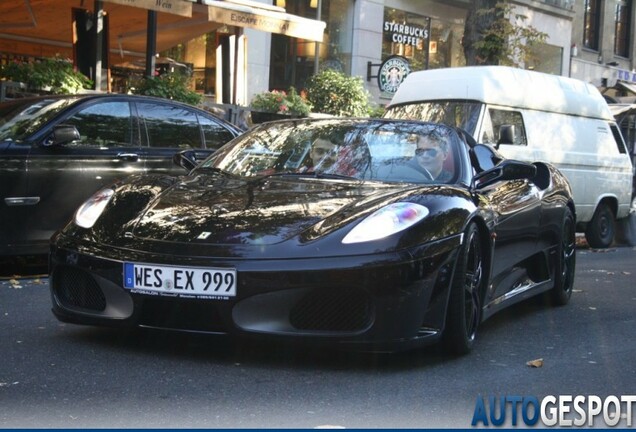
<point>392,73</point>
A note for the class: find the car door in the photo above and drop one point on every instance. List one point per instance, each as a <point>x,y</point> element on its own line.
<point>167,129</point>
<point>517,207</point>
<point>63,176</point>
<point>16,204</point>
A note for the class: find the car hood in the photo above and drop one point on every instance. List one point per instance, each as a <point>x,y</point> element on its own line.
<point>257,212</point>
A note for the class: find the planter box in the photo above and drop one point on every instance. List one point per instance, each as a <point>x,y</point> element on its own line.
<point>262,117</point>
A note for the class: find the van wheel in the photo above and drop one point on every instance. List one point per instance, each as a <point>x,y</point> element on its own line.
<point>600,231</point>
<point>464,304</point>
<point>565,262</point>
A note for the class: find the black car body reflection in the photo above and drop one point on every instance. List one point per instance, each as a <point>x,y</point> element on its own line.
<point>56,151</point>
<point>356,245</point>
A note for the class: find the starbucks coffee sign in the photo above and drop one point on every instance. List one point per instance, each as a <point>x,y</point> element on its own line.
<point>408,34</point>
<point>392,73</point>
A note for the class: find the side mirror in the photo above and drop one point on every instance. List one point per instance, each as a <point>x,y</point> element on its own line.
<point>186,159</point>
<point>506,135</point>
<point>62,134</point>
<point>506,170</point>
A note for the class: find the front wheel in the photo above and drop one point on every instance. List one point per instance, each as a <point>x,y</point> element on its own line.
<point>464,306</point>
<point>600,230</point>
<point>565,261</point>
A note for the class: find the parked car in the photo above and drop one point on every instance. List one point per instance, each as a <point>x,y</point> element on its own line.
<point>56,151</point>
<point>355,245</point>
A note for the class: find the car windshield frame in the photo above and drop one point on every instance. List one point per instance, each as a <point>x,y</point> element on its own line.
<point>361,149</point>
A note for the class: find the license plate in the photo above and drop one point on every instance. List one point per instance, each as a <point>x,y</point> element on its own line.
<point>196,282</point>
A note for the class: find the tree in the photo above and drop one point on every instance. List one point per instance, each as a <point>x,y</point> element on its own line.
<point>495,34</point>
<point>335,93</point>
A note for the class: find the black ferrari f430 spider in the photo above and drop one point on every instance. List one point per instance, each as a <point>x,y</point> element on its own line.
<point>368,234</point>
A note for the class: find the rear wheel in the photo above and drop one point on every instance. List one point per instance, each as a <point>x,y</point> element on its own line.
<point>464,306</point>
<point>601,229</point>
<point>566,262</point>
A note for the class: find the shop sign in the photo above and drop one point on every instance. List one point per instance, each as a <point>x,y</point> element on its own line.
<point>177,7</point>
<point>626,75</point>
<point>407,34</point>
<point>392,73</point>
<point>272,22</point>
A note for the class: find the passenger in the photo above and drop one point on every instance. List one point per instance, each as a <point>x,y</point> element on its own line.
<point>323,154</point>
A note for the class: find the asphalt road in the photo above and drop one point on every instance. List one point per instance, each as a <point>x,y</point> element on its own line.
<point>55,375</point>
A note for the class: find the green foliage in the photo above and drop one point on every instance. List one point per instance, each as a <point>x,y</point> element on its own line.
<point>332,92</point>
<point>281,102</point>
<point>506,42</point>
<point>175,86</point>
<point>376,111</point>
<point>56,73</point>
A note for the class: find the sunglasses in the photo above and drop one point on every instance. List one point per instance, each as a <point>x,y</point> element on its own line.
<point>321,151</point>
<point>428,152</point>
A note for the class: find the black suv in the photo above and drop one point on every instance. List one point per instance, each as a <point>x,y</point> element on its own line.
<point>56,151</point>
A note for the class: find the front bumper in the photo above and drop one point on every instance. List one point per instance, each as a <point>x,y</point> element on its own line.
<point>383,301</point>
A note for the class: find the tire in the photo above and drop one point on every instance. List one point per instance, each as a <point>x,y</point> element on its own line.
<point>565,262</point>
<point>464,305</point>
<point>601,229</point>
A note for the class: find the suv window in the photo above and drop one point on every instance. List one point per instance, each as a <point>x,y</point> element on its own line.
<point>499,118</point>
<point>215,134</point>
<point>170,126</point>
<point>104,124</point>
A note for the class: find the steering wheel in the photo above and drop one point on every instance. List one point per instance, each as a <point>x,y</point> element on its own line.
<point>420,169</point>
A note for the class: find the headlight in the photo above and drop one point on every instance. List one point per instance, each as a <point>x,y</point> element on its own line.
<point>90,211</point>
<point>386,221</point>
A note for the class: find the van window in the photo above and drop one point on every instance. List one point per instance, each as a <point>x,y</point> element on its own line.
<point>619,139</point>
<point>458,113</point>
<point>497,118</point>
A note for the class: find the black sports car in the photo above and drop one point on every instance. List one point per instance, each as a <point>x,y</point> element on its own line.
<point>365,233</point>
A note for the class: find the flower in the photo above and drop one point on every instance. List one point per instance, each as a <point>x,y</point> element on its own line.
<point>281,102</point>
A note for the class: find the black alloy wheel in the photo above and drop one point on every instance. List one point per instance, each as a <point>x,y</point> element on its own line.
<point>464,306</point>
<point>566,261</point>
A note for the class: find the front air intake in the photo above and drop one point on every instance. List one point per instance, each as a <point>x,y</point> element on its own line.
<point>331,310</point>
<point>74,288</point>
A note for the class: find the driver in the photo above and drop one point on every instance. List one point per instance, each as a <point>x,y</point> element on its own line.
<point>430,153</point>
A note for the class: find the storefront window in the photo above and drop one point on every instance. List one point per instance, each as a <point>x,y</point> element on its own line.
<point>545,58</point>
<point>407,35</point>
<point>293,60</point>
<point>425,42</point>
<point>199,56</point>
<point>445,45</point>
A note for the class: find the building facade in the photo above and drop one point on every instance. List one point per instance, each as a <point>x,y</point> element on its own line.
<point>361,34</point>
<point>592,40</point>
<point>603,49</point>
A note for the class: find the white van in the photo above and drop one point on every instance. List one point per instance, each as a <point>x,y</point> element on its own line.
<point>533,116</point>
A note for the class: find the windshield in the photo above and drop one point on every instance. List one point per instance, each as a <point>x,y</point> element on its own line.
<point>18,119</point>
<point>390,151</point>
<point>461,114</point>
